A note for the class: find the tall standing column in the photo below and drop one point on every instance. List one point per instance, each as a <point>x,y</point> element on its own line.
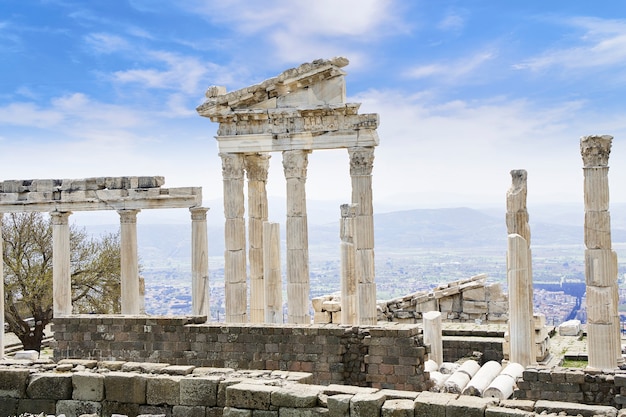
<point>235,274</point>
<point>295,166</point>
<point>520,326</point>
<point>349,294</point>
<point>521,321</point>
<point>61,278</point>
<point>256,169</point>
<point>131,302</point>
<point>1,291</point>
<point>199,262</point>
<point>603,326</point>
<point>361,165</point>
<point>271,273</point>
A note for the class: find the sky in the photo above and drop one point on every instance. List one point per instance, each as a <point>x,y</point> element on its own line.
<point>466,91</point>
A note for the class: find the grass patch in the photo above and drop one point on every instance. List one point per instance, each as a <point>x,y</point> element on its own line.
<point>571,363</point>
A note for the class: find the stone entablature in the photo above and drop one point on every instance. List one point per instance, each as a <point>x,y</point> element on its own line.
<point>100,193</point>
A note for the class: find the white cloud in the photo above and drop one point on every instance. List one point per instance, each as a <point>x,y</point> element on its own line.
<point>106,43</point>
<point>453,21</point>
<point>602,45</point>
<point>453,70</point>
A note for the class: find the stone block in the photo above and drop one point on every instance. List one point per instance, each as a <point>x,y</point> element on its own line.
<point>199,391</point>
<point>73,408</point>
<point>367,404</point>
<point>475,307</point>
<point>468,406</point>
<point>475,294</point>
<point>13,382</point>
<point>125,388</point>
<point>507,412</point>
<point>305,412</point>
<point>296,396</point>
<point>251,396</point>
<point>431,404</point>
<point>50,386</point>
<point>87,386</point>
<point>398,408</point>
<point>322,317</point>
<point>574,409</point>
<point>331,306</point>
<point>570,328</point>
<point>236,412</point>
<point>493,292</point>
<point>36,406</point>
<point>498,307</point>
<point>163,390</point>
<point>29,355</point>
<point>125,409</point>
<point>188,411</point>
<point>339,405</point>
<point>8,406</point>
<point>600,267</point>
<point>155,410</point>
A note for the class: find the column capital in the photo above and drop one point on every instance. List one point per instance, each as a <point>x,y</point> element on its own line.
<point>595,150</point>
<point>361,160</point>
<point>128,216</point>
<point>295,163</point>
<point>198,213</point>
<point>60,217</point>
<point>257,165</point>
<point>232,165</point>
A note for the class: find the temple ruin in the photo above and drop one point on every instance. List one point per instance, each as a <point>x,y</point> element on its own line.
<point>297,112</point>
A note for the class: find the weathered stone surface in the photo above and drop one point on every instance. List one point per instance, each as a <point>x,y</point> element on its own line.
<point>50,386</point>
<point>251,396</point>
<point>36,406</point>
<point>125,409</point>
<point>125,388</point>
<point>87,386</point>
<point>367,404</point>
<point>430,404</point>
<point>468,406</point>
<point>8,406</point>
<point>507,412</point>
<point>236,412</point>
<point>398,408</point>
<point>297,396</point>
<point>72,408</point>
<point>339,405</point>
<point>13,382</point>
<point>574,409</point>
<point>199,390</point>
<point>188,411</point>
<point>163,390</point>
<point>305,412</point>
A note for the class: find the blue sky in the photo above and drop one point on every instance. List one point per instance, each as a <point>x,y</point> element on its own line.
<point>466,90</point>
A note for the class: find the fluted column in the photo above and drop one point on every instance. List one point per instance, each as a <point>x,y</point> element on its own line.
<point>295,167</point>
<point>256,169</point>
<point>61,275</point>
<point>131,302</point>
<point>1,291</point>
<point>272,280</point>
<point>199,262</point>
<point>349,294</point>
<point>517,223</point>
<point>603,326</point>
<point>433,335</point>
<point>235,274</point>
<point>361,165</point>
<point>520,325</point>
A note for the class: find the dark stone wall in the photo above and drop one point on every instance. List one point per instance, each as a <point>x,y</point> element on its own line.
<point>386,356</point>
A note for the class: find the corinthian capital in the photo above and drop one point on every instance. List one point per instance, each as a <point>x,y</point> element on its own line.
<point>361,160</point>
<point>232,165</point>
<point>295,163</point>
<point>595,150</point>
<point>256,166</point>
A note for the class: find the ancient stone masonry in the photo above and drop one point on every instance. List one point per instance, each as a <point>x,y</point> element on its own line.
<point>128,196</point>
<point>297,112</point>
<point>603,325</point>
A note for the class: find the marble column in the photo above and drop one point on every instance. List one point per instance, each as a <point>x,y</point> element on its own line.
<point>361,165</point>
<point>295,167</point>
<point>272,280</point>
<point>603,326</point>
<point>131,301</point>
<point>433,335</point>
<point>517,223</point>
<point>349,294</point>
<point>61,273</point>
<point>235,273</point>
<point>520,325</point>
<point>1,291</point>
<point>199,262</point>
<point>256,166</point>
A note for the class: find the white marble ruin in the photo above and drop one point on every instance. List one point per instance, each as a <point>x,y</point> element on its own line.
<point>603,325</point>
<point>128,196</point>
<point>301,110</point>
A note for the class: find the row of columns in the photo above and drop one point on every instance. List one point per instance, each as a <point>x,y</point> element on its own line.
<point>295,163</point>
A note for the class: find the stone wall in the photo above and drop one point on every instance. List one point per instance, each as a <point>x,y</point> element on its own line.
<point>387,356</point>
<point>79,387</point>
<point>575,385</point>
